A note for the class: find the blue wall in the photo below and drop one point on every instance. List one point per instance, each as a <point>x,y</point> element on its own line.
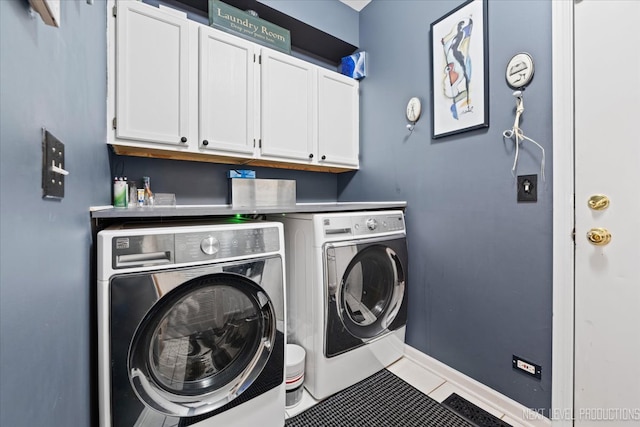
<point>56,78</point>
<point>332,17</point>
<point>196,183</point>
<point>480,263</point>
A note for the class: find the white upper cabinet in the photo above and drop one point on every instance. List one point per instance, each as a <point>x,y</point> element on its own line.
<point>287,107</point>
<point>151,85</point>
<point>338,119</point>
<point>227,93</point>
<point>179,89</point>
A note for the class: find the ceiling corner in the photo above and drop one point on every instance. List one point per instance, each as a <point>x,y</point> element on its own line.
<point>356,4</point>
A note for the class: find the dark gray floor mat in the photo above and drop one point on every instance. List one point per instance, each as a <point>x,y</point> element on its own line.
<point>382,400</point>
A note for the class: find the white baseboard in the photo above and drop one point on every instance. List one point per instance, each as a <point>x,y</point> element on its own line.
<point>510,407</point>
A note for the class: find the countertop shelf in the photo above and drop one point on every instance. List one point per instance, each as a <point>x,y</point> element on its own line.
<point>181,211</point>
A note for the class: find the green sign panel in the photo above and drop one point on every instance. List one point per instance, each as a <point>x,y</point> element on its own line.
<point>236,21</point>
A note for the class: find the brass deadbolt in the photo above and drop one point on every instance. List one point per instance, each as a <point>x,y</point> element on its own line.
<point>598,202</point>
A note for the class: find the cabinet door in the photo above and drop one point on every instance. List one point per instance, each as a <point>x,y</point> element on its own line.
<point>338,119</point>
<point>227,92</point>
<point>287,107</point>
<point>151,75</point>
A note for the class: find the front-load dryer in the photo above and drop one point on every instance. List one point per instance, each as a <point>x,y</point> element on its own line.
<point>346,294</point>
<point>191,325</point>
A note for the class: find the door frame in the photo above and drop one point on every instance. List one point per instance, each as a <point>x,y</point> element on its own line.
<point>562,359</point>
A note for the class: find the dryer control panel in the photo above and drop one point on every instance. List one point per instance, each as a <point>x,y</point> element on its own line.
<point>362,224</point>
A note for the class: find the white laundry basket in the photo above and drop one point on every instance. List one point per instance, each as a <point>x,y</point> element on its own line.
<point>294,374</point>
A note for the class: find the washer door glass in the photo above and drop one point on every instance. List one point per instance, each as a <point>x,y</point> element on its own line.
<point>371,291</point>
<point>202,344</point>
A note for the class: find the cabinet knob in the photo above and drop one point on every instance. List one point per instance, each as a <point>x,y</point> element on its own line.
<point>183,139</point>
<point>311,156</point>
<point>323,158</point>
<point>205,142</point>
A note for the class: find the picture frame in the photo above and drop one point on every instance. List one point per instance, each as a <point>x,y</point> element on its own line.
<point>460,70</point>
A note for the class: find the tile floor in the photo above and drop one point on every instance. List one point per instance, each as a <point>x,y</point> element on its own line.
<point>430,384</point>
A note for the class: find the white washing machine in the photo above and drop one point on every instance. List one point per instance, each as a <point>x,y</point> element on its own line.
<point>191,324</point>
<point>346,294</point>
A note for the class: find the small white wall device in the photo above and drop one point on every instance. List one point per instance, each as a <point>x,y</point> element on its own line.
<point>519,71</point>
<point>414,109</point>
<point>519,74</point>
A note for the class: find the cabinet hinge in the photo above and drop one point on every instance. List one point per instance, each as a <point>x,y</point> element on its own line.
<point>114,11</point>
<point>114,123</point>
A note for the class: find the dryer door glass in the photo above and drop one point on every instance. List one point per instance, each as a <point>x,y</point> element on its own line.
<point>371,291</point>
<point>202,345</point>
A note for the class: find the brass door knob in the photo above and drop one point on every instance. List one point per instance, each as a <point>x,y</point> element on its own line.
<point>599,236</point>
<point>598,202</point>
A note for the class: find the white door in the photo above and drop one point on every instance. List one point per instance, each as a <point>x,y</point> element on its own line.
<point>151,75</point>
<point>227,92</point>
<point>607,161</point>
<point>287,116</point>
<point>338,119</point>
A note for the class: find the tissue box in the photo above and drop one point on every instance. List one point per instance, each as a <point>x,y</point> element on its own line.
<point>355,65</point>
<point>241,173</point>
<point>250,193</point>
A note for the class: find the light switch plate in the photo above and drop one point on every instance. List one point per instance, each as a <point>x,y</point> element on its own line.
<point>52,157</point>
<point>527,188</point>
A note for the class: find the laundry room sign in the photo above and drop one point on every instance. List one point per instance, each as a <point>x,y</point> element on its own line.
<point>241,23</point>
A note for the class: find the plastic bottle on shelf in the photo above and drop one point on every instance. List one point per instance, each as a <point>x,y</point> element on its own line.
<point>119,193</point>
<point>126,192</point>
<point>148,194</point>
<point>133,194</point>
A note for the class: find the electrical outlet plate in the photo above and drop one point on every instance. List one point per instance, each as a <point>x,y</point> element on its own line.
<point>527,188</point>
<point>52,157</point>
<point>527,367</point>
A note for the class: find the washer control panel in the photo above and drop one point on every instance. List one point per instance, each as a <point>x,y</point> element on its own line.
<point>178,248</point>
<point>369,223</point>
<point>225,244</point>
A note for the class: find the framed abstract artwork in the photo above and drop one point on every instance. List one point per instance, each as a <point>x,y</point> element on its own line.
<point>460,70</point>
